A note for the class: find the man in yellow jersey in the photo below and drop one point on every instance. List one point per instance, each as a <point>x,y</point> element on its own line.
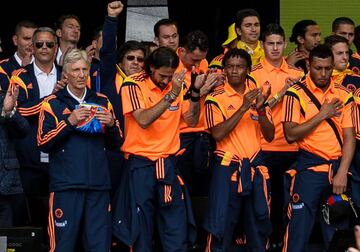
<point>248,28</point>
<point>236,116</point>
<point>273,71</point>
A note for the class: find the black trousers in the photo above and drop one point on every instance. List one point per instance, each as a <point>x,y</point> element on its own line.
<point>278,163</point>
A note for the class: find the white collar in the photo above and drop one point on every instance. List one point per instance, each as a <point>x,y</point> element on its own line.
<point>38,71</point>
<point>80,100</point>
<point>19,61</point>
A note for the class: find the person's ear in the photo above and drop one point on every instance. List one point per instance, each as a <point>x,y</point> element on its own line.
<point>15,39</point>
<point>300,39</point>
<point>238,32</point>
<point>156,41</point>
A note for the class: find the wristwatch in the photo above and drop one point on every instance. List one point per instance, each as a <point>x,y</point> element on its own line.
<point>12,113</point>
<point>169,97</point>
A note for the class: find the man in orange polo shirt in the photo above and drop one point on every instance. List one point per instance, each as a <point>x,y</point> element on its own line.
<point>324,131</point>
<point>151,188</point>
<point>235,116</point>
<point>196,143</point>
<point>273,71</point>
<point>355,169</point>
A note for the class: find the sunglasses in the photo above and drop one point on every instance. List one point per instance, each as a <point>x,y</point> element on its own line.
<point>41,44</point>
<point>132,57</point>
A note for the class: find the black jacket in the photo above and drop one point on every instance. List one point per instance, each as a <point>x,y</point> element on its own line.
<point>16,126</point>
<point>77,159</point>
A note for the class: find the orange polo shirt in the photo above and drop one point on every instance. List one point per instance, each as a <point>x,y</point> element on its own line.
<point>357,114</point>
<point>159,139</point>
<point>265,75</point>
<point>184,128</point>
<point>244,140</point>
<point>298,108</point>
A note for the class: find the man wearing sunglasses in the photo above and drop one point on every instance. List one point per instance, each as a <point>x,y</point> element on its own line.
<point>36,81</point>
<point>117,63</point>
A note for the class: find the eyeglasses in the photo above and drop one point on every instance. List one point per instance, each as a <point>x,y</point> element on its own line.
<point>132,57</point>
<point>41,44</point>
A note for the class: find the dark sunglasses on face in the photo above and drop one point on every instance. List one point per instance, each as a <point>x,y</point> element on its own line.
<point>132,57</point>
<point>48,44</point>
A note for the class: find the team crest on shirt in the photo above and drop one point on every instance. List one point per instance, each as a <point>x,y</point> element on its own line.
<point>58,213</point>
<point>254,117</point>
<point>174,107</point>
<point>356,70</point>
<point>295,198</point>
<point>351,87</point>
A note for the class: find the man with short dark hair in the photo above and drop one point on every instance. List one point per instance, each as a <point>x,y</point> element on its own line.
<point>342,74</point>
<point>68,31</point>
<point>235,115</point>
<point>23,56</point>
<point>196,144</point>
<point>345,27</point>
<point>274,72</point>
<point>247,27</point>
<point>166,33</point>
<point>326,139</point>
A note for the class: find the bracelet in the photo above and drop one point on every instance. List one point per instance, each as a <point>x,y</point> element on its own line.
<point>170,97</point>
<point>195,98</point>
<point>196,90</point>
<point>277,97</point>
<point>12,113</point>
<point>172,93</point>
<point>261,112</point>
